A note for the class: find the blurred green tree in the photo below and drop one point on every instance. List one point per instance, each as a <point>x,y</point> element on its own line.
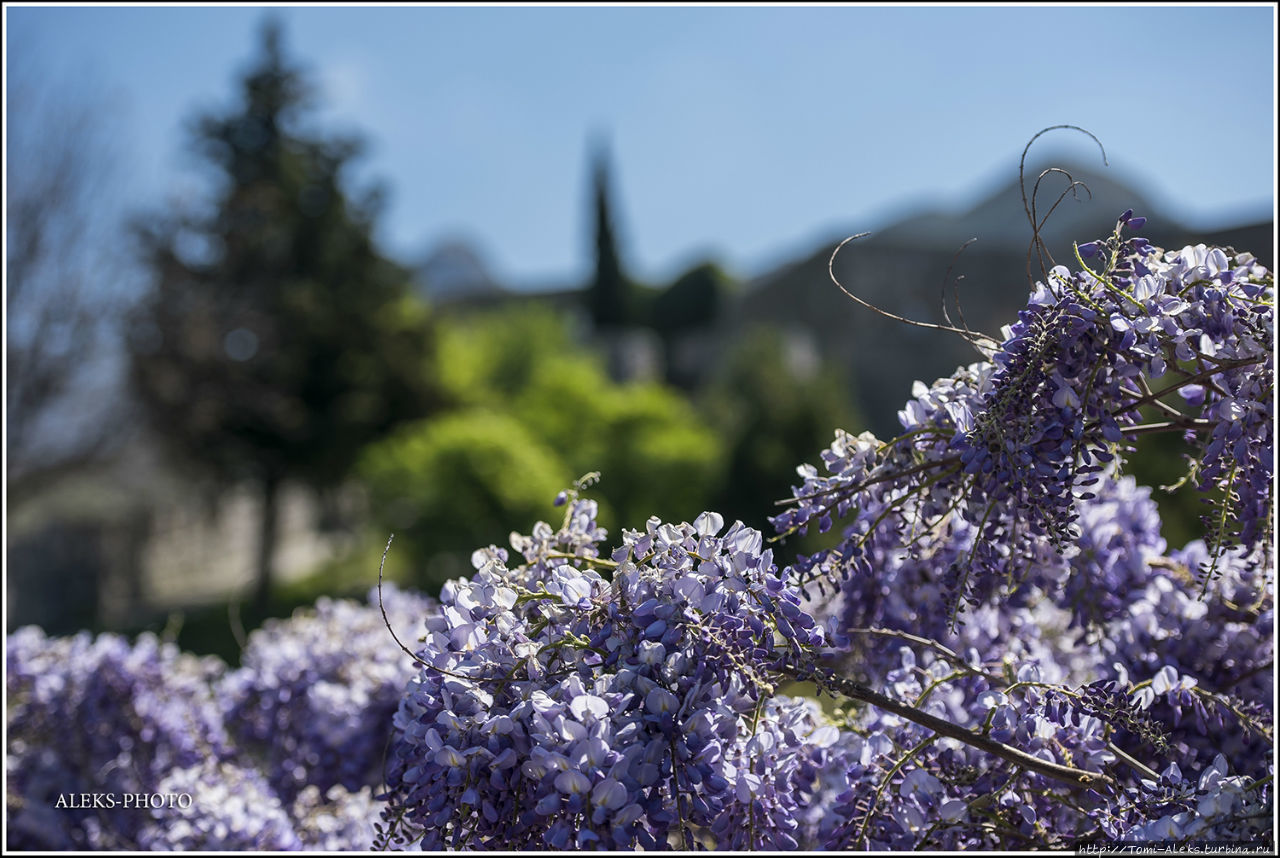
<point>655,454</point>
<point>540,412</point>
<point>276,341</point>
<point>775,403</point>
<point>683,314</point>
<point>451,484</point>
<point>692,301</point>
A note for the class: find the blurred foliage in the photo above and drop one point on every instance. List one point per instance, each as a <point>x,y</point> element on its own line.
<point>539,412</point>
<point>219,628</point>
<point>461,481</point>
<point>655,455</point>
<point>1161,462</point>
<point>692,302</point>
<point>682,315</point>
<point>776,404</point>
<point>276,340</point>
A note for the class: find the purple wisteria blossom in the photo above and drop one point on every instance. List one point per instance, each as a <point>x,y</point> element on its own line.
<point>99,716</point>
<point>313,699</point>
<point>999,454</point>
<point>559,708</point>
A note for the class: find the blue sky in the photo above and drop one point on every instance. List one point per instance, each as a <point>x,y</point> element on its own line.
<point>745,134</point>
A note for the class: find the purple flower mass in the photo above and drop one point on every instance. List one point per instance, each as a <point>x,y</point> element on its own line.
<point>997,649</point>
<point>282,753</point>
<point>559,708</point>
<point>312,702</point>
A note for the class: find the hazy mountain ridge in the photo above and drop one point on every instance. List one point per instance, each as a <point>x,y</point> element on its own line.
<point>907,267</point>
<point>910,265</point>
<point>1000,220</point>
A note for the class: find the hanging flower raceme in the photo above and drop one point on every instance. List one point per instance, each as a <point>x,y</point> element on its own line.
<point>313,699</point>
<point>100,716</point>
<point>1003,498</point>
<point>557,707</point>
<point>1000,454</point>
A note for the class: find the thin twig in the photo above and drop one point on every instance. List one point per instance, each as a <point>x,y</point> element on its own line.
<point>950,656</point>
<point>385,620</point>
<point>831,272</point>
<point>1163,406</point>
<point>237,626</point>
<point>1072,185</point>
<point>973,337</point>
<point>1075,778</point>
<point>857,487</point>
<point>942,650</point>
<point>1236,363</point>
<point>1036,241</point>
<point>1166,426</point>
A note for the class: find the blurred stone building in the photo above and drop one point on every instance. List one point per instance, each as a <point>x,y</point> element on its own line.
<point>122,541</point>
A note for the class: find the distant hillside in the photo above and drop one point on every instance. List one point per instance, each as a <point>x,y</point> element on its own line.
<point>902,269</point>
<point>1000,222</point>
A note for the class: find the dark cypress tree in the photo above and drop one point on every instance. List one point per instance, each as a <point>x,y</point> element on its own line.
<point>609,295</point>
<point>286,342</point>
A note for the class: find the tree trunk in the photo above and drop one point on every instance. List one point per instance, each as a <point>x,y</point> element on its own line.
<point>266,541</point>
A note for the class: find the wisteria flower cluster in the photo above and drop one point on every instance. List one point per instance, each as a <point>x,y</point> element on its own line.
<point>997,531</point>
<point>315,693</point>
<point>997,650</point>
<point>185,753</point>
<point>99,716</point>
<point>997,455</point>
<point>560,708</point>
<point>234,808</point>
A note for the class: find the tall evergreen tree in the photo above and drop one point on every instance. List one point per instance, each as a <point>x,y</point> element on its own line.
<point>276,340</point>
<point>610,292</point>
